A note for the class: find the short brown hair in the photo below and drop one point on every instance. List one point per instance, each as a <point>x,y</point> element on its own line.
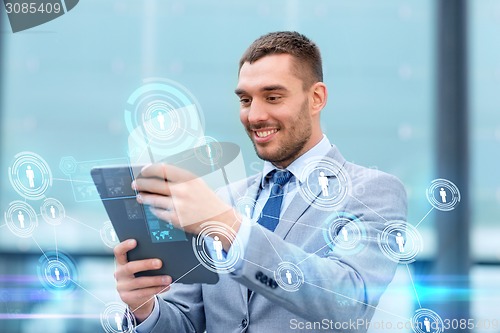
<point>293,43</point>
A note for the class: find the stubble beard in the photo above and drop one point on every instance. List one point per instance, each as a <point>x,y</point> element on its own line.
<point>291,146</point>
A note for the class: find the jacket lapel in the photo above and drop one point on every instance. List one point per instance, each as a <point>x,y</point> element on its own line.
<point>299,205</point>
<point>253,187</point>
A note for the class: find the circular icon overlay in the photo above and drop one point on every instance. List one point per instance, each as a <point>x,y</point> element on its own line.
<point>249,209</point>
<point>68,165</point>
<point>158,119</point>
<point>21,219</point>
<point>57,271</point>
<point>427,321</point>
<point>208,151</point>
<point>344,232</point>
<point>117,319</point>
<point>30,175</point>
<point>166,112</point>
<point>443,194</point>
<point>326,183</point>
<point>52,211</point>
<point>108,235</point>
<point>400,242</point>
<point>207,246</point>
<point>289,276</point>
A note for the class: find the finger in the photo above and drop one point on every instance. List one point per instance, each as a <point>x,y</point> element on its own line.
<point>166,215</point>
<point>152,185</point>
<point>137,266</point>
<point>157,201</point>
<point>144,282</point>
<point>147,294</point>
<point>167,171</point>
<point>121,250</point>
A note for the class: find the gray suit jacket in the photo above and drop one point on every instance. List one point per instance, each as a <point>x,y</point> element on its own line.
<point>339,288</point>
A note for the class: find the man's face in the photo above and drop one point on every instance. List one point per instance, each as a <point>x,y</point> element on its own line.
<point>274,108</point>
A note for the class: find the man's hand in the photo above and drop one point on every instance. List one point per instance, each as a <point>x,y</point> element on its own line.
<point>138,293</point>
<point>183,199</point>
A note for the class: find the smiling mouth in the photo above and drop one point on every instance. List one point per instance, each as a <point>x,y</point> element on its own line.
<point>265,134</point>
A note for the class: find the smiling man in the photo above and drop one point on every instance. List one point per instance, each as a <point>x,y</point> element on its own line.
<point>281,99</point>
<point>294,272</point>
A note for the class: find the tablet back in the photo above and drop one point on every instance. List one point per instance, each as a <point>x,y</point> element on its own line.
<point>155,238</point>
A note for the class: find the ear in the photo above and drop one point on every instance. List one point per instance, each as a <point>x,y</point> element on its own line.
<point>318,95</point>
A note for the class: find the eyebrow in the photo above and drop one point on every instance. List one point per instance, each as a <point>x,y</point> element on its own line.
<point>273,87</point>
<point>239,91</point>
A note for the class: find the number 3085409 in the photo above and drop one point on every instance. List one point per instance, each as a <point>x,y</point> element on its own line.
<point>32,7</point>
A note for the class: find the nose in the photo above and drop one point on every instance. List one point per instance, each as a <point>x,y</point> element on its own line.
<point>257,112</point>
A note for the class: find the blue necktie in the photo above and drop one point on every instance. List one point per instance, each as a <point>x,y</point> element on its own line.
<point>270,215</point>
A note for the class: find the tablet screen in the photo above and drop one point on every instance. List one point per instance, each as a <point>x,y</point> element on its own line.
<point>162,232</point>
<point>117,187</point>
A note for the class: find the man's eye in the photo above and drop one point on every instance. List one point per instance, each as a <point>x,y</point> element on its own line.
<point>273,98</point>
<point>244,101</point>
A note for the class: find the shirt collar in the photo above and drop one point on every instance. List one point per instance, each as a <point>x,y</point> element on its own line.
<point>320,149</point>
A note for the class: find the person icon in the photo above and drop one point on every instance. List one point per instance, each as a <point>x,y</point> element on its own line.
<point>30,174</point>
<point>248,211</point>
<point>401,242</point>
<point>288,277</point>
<point>52,211</point>
<point>323,182</point>
<point>218,248</point>
<point>21,219</point>
<point>113,235</point>
<point>345,233</point>
<point>442,193</point>
<point>58,274</point>
<point>118,321</point>
<point>161,120</point>
<point>427,324</point>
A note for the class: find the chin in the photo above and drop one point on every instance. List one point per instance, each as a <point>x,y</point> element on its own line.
<point>264,154</point>
<point>272,157</point>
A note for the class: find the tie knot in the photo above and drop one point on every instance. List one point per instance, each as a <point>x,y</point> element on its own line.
<point>281,177</point>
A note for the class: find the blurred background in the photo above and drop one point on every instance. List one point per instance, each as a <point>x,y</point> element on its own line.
<point>414,91</point>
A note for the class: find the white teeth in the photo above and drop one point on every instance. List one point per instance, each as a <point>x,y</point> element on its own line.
<point>265,133</point>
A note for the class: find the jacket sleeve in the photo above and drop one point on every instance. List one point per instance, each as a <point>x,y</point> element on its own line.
<point>181,310</point>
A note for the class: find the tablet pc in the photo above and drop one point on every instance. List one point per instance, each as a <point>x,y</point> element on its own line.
<point>155,238</point>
